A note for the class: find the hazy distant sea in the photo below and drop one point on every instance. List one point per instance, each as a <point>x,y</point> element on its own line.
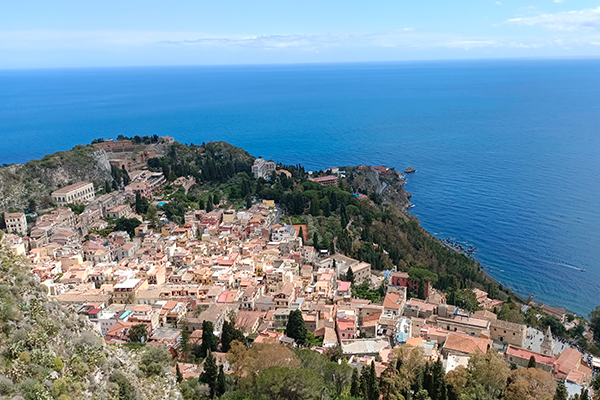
<point>507,152</point>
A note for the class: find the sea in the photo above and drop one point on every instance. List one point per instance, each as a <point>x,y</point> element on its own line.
<point>507,152</point>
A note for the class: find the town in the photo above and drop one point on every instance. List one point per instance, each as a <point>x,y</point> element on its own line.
<point>250,267</point>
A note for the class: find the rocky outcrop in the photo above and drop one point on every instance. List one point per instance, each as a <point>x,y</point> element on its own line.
<point>366,180</point>
<point>409,170</point>
<point>37,179</point>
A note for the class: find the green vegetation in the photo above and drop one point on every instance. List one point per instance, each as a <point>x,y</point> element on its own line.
<point>49,352</point>
<point>296,328</point>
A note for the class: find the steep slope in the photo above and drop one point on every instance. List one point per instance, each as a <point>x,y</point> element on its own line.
<point>48,352</point>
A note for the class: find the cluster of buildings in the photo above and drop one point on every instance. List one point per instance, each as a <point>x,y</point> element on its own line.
<point>249,264</point>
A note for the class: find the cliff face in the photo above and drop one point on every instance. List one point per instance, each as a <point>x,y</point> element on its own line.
<point>37,179</point>
<point>391,187</point>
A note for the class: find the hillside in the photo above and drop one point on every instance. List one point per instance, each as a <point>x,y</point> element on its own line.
<point>34,181</point>
<point>48,352</point>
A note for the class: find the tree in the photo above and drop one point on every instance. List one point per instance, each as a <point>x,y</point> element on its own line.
<point>296,327</point>
<point>107,187</point>
<point>300,233</point>
<point>561,392</point>
<point>209,206</point>
<point>457,379</point>
<point>210,374</point>
<point>530,383</point>
<point>316,241</point>
<point>466,299</point>
<point>277,383</point>
<point>422,395</point>
<point>337,376</point>
<point>154,359</point>
<point>350,276</point>
<point>209,340</point>
<point>490,371</point>
<point>370,383</point>
<point>229,334</point>
<point>137,333</point>
<point>247,362</point>
<point>355,384</point>
<point>595,323</point>
<point>128,225</point>
<point>178,374</point>
<point>584,395</point>
<point>141,204</point>
<point>335,353</point>
<point>437,379</point>
<point>532,363</point>
<point>221,382</point>
<point>126,389</point>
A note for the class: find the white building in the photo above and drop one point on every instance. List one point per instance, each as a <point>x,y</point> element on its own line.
<point>80,192</point>
<point>262,168</point>
<point>16,223</point>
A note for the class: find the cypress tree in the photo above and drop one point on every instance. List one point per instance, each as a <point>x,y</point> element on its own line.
<point>296,327</point>
<point>531,363</point>
<point>355,384</point>
<point>209,340</point>
<point>107,187</point>
<point>301,234</point>
<point>316,241</point>
<point>178,374</point>
<point>439,381</point>
<point>210,374</point>
<point>350,276</point>
<point>374,391</point>
<point>221,387</point>
<point>209,207</point>
<point>230,334</point>
<point>369,383</point>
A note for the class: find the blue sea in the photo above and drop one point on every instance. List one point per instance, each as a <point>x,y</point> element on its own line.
<point>507,152</point>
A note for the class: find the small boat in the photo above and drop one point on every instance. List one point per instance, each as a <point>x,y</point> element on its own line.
<point>582,269</point>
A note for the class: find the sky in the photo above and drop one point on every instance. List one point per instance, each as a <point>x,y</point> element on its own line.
<point>85,33</point>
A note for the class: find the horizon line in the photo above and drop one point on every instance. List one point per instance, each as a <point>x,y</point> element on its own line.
<point>300,63</point>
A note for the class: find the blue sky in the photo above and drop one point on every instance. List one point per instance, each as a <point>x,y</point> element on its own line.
<point>84,33</point>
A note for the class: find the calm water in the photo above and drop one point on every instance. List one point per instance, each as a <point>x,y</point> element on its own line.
<point>507,152</point>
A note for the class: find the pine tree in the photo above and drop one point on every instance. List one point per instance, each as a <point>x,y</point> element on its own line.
<point>355,384</point>
<point>210,374</point>
<point>178,374</point>
<point>221,382</point>
<point>561,392</point>
<point>296,327</point>
<point>532,363</point>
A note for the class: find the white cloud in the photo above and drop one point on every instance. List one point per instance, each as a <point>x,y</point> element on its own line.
<point>400,39</point>
<point>583,20</point>
<point>558,1</point>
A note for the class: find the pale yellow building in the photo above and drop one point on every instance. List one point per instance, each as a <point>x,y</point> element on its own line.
<point>80,192</point>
